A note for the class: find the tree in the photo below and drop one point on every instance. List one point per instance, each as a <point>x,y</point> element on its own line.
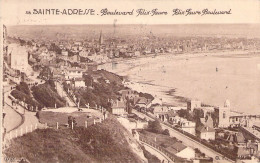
<point>155,126</point>
<point>166,132</point>
<point>185,114</point>
<point>55,48</point>
<point>23,87</point>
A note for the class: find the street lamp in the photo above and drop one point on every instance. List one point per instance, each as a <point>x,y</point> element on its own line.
<point>24,106</point>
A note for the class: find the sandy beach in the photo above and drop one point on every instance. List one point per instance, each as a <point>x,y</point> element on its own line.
<point>209,77</point>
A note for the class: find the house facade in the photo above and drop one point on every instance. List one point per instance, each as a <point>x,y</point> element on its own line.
<point>118,107</point>
<point>205,132</point>
<point>72,73</point>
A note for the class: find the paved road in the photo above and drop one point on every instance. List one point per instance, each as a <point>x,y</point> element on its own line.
<point>62,93</point>
<point>189,142</point>
<point>12,118</point>
<point>156,153</point>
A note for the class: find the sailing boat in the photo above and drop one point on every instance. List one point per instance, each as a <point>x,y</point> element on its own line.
<point>164,71</point>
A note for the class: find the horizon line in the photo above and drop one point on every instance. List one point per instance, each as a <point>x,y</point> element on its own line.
<point>258,23</point>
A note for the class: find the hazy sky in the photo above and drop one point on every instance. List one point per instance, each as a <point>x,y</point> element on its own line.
<point>13,11</point>
<point>79,31</point>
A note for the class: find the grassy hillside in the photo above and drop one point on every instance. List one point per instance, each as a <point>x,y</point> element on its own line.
<point>105,142</point>
<point>47,95</point>
<point>104,88</point>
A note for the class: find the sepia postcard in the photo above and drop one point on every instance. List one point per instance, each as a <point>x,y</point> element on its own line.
<point>130,81</point>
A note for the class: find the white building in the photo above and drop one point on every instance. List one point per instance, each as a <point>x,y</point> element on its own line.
<point>205,132</point>
<point>73,73</point>
<point>64,53</point>
<point>184,124</point>
<point>161,112</point>
<point>176,108</point>
<point>79,83</point>
<point>118,107</point>
<point>19,57</point>
<point>188,126</point>
<point>187,153</point>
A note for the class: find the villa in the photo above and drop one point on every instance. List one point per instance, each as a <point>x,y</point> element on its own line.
<point>205,132</point>
<point>161,112</point>
<point>71,73</point>
<point>118,107</point>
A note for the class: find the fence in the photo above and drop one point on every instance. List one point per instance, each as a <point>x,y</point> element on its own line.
<point>203,142</point>
<point>27,129</point>
<point>15,133</point>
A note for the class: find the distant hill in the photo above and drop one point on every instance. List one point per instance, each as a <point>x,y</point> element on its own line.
<point>104,142</point>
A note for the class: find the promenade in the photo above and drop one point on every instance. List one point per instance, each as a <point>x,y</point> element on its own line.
<point>17,120</point>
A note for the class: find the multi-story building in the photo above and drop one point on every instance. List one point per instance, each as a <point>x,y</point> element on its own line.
<point>19,57</point>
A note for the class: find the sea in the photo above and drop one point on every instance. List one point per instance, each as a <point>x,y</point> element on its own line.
<point>211,79</point>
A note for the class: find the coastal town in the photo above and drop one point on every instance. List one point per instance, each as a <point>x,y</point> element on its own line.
<point>55,83</point>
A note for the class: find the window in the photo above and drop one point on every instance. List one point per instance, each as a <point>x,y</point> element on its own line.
<point>224,115</point>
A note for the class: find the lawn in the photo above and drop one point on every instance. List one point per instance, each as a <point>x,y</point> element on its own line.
<point>51,118</point>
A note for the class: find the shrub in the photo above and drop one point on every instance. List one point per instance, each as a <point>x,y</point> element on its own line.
<point>24,97</point>
<point>44,94</point>
<point>155,126</point>
<point>146,95</point>
<point>166,132</point>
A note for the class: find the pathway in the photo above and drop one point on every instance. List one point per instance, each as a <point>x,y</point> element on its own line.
<point>13,117</point>
<point>62,93</point>
<point>161,156</point>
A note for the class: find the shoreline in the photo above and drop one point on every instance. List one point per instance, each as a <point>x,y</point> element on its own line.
<point>224,53</point>
<point>177,100</point>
